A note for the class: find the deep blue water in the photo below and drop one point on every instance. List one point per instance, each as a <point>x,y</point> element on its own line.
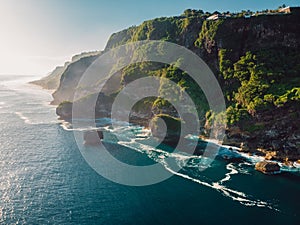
<point>45,180</point>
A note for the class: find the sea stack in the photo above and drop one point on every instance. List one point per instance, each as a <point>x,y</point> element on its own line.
<point>92,137</point>
<point>267,167</point>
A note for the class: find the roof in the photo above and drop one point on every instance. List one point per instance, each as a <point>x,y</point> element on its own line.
<point>215,17</point>
<point>289,8</point>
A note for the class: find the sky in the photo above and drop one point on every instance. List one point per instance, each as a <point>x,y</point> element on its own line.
<point>38,35</point>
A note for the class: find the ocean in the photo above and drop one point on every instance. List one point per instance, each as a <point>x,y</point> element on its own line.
<point>44,178</point>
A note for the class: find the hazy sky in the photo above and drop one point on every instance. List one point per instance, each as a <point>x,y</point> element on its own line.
<point>37,35</point>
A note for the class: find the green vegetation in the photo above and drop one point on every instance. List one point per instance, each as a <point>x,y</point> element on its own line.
<point>255,60</point>
<point>254,127</point>
<point>257,80</point>
<point>208,31</point>
<point>289,96</point>
<point>64,110</point>
<point>65,104</point>
<point>160,29</point>
<point>173,125</point>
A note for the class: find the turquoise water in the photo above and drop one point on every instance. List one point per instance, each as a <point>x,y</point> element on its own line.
<point>45,180</point>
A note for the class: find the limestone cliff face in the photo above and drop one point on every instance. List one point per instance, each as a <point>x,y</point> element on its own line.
<point>276,34</point>
<point>205,38</point>
<point>64,110</point>
<point>70,78</point>
<point>252,34</point>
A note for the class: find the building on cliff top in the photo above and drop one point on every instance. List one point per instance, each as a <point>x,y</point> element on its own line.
<point>216,17</point>
<point>293,10</point>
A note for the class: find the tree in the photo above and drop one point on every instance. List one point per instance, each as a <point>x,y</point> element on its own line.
<point>187,12</point>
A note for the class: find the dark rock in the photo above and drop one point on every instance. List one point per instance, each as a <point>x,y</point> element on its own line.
<point>92,137</point>
<point>267,167</point>
<point>270,155</point>
<point>244,147</point>
<point>64,110</point>
<point>166,128</point>
<point>276,145</point>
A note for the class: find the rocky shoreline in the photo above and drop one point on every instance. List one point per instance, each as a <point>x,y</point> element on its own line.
<point>278,138</point>
<point>235,141</point>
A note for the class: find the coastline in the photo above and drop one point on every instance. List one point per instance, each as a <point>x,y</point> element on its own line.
<point>252,156</point>
<point>226,152</point>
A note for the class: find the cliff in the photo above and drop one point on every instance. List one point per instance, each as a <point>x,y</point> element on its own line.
<point>256,61</point>
<point>70,78</point>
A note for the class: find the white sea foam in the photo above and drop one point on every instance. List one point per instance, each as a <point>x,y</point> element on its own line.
<point>184,159</point>
<point>160,156</point>
<point>294,168</point>
<point>67,126</point>
<point>296,165</point>
<point>242,168</point>
<point>142,147</point>
<point>233,194</point>
<point>232,170</point>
